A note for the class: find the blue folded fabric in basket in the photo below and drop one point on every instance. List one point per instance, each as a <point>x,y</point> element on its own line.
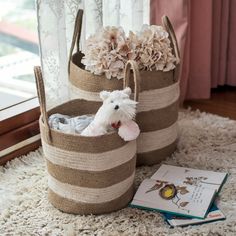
<point>69,124</point>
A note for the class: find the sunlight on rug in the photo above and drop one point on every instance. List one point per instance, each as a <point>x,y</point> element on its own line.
<point>205,142</point>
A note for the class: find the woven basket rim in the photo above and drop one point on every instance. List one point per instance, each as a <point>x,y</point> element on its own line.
<point>141,71</point>
<point>112,133</point>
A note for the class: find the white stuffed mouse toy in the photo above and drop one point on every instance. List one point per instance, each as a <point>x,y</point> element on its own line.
<point>117,111</point>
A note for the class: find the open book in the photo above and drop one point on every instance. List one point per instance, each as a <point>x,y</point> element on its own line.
<point>180,191</point>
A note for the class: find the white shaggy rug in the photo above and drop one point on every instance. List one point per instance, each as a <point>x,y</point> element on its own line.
<point>205,142</point>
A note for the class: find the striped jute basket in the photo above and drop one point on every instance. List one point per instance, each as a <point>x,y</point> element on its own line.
<point>86,175</point>
<point>158,103</point>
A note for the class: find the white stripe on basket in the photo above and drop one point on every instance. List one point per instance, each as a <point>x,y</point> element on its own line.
<point>150,141</point>
<point>90,195</point>
<point>158,98</point>
<point>76,93</point>
<point>90,161</point>
<point>148,100</point>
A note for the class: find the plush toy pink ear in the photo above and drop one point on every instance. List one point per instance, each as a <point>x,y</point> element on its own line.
<point>129,131</point>
<point>104,95</point>
<point>127,91</point>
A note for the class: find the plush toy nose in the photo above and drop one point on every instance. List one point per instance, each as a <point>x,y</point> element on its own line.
<point>116,107</point>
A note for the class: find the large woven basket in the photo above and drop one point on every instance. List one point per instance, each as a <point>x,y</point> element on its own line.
<point>158,104</point>
<point>86,175</point>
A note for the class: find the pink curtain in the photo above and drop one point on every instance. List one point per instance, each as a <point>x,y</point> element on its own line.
<point>206,33</point>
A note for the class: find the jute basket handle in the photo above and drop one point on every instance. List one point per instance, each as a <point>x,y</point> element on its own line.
<point>76,35</point>
<point>131,64</point>
<point>169,28</point>
<point>42,100</point>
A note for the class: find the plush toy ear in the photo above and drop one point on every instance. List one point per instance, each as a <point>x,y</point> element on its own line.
<point>127,91</point>
<point>104,95</point>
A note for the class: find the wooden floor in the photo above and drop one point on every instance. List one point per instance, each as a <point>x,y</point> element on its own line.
<point>222,102</point>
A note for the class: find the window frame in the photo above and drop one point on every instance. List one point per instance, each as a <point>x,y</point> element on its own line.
<point>19,129</point>
<point>19,126</point>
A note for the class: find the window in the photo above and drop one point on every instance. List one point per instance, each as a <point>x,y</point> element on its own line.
<point>19,52</point>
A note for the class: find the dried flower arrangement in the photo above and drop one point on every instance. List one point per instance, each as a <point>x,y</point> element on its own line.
<point>109,49</point>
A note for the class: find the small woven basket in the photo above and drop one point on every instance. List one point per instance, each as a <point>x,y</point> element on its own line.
<point>86,175</point>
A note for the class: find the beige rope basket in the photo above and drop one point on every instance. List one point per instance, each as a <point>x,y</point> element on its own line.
<point>158,101</point>
<point>86,175</point>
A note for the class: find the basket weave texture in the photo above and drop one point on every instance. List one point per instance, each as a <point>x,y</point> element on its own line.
<point>86,175</point>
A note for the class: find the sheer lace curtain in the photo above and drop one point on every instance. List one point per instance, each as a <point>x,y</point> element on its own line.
<point>56,23</point>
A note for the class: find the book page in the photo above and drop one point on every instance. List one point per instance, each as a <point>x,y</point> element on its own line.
<point>209,179</point>
<point>213,215</point>
<point>188,200</point>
